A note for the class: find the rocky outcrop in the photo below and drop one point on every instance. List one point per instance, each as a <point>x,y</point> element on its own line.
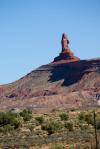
<point>66,54</point>
<point>61,84</point>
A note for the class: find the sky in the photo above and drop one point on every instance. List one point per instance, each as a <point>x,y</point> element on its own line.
<point>31,30</point>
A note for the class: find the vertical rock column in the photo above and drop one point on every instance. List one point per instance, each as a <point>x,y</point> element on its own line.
<point>66,54</point>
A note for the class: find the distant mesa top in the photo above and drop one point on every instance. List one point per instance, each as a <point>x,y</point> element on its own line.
<point>66,54</point>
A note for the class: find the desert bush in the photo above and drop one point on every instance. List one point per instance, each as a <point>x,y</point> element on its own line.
<point>81,116</point>
<point>83,126</point>
<point>86,117</point>
<point>64,116</point>
<point>73,109</point>
<point>98,124</point>
<point>52,127</point>
<point>4,119</point>
<point>7,128</point>
<point>89,119</point>
<point>16,123</point>
<point>40,119</point>
<point>29,111</point>
<point>9,118</point>
<point>69,126</point>
<point>57,146</point>
<point>26,114</point>
<point>31,127</point>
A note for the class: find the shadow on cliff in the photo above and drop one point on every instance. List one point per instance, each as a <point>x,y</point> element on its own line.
<point>73,72</point>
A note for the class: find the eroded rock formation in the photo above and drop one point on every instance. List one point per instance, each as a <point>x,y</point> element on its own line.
<point>66,54</point>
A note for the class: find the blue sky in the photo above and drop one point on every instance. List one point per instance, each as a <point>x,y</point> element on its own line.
<point>30,33</point>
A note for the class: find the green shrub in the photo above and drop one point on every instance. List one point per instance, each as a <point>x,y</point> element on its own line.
<point>31,127</point>
<point>9,118</point>
<point>98,124</point>
<point>81,116</point>
<point>89,119</point>
<point>40,119</point>
<point>86,117</point>
<point>7,128</point>
<point>64,116</point>
<point>73,109</point>
<point>57,146</point>
<point>69,126</point>
<point>29,111</point>
<point>52,127</point>
<point>16,123</point>
<point>26,114</point>
<point>83,126</point>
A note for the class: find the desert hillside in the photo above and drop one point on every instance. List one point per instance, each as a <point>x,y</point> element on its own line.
<point>65,82</point>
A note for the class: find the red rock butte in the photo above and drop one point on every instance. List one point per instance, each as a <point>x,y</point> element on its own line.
<point>66,54</point>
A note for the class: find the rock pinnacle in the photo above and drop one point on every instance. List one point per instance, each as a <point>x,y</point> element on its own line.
<point>66,54</point>
<point>64,42</point>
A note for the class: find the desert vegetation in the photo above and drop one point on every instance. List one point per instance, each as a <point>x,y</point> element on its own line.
<point>58,129</point>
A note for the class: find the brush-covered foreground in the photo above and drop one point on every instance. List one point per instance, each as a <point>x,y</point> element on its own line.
<point>60,129</point>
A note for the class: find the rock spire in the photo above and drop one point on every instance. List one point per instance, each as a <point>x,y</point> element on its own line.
<point>66,54</point>
<point>64,42</point>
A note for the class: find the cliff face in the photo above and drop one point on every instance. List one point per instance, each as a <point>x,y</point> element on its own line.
<point>66,82</point>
